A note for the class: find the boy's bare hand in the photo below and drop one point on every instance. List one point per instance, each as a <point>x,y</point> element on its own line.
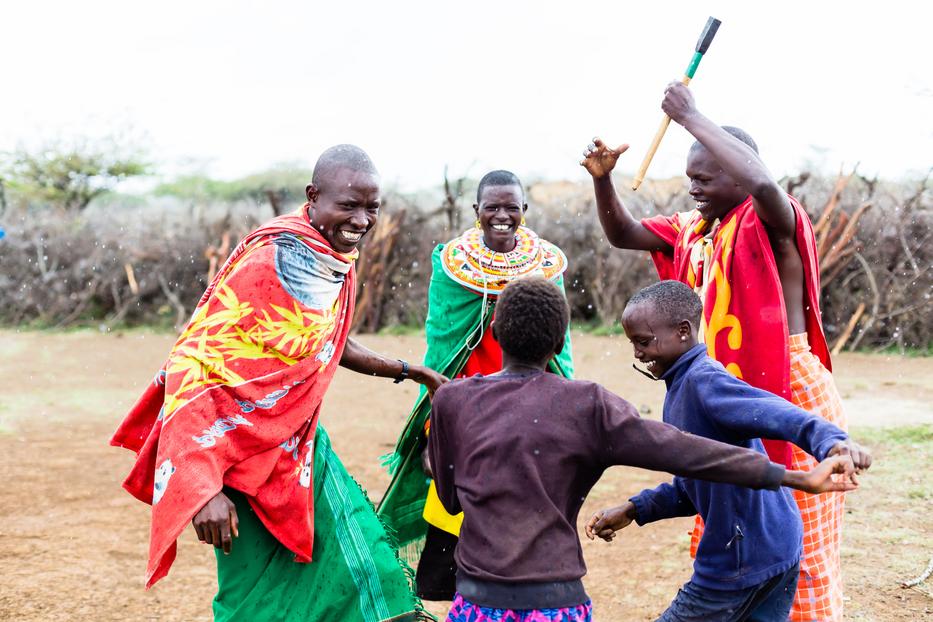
<point>860,456</point>
<point>605,523</point>
<point>821,480</point>
<point>216,523</point>
<point>599,160</point>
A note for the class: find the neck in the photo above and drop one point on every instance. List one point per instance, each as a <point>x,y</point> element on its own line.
<point>688,345</point>
<point>511,365</point>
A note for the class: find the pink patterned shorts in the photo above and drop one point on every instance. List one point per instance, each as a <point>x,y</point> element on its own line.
<point>463,610</point>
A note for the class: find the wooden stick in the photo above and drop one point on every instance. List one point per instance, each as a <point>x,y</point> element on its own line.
<point>655,143</point>
<point>706,38</point>
<point>844,337</point>
<point>131,278</point>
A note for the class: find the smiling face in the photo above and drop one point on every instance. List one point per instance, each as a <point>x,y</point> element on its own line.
<point>657,343</point>
<point>500,210</point>
<point>344,206</point>
<point>714,191</point>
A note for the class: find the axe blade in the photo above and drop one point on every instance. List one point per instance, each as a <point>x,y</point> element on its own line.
<point>706,37</point>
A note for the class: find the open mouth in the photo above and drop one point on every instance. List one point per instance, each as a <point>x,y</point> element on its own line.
<point>350,237</point>
<point>503,228</point>
<point>702,205</point>
<point>650,365</point>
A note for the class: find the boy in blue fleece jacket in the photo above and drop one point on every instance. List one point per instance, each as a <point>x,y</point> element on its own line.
<point>747,562</point>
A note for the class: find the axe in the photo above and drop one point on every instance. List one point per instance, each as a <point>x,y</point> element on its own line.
<point>706,37</point>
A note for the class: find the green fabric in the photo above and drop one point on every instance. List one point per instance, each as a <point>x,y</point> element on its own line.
<point>355,575</point>
<point>455,318</point>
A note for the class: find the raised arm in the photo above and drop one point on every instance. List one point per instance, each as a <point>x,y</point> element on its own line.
<point>622,229</point>
<point>737,159</point>
<point>361,359</point>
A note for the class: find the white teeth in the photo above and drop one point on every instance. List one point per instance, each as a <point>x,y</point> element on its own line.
<point>650,364</point>
<point>353,237</point>
<point>502,227</point>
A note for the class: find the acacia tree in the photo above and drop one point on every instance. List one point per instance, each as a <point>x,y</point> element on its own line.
<point>70,177</point>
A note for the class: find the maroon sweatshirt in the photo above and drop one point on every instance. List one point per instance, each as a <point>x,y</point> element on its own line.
<point>519,453</point>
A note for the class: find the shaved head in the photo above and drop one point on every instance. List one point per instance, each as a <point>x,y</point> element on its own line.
<point>338,157</point>
<point>733,131</point>
<point>497,178</point>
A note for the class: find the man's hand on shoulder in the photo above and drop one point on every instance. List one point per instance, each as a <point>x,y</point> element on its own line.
<point>428,377</point>
<point>217,523</point>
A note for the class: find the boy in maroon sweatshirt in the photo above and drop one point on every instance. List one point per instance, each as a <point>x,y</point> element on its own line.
<point>538,445</point>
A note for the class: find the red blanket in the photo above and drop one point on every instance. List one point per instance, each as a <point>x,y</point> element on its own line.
<point>744,316</point>
<point>237,401</point>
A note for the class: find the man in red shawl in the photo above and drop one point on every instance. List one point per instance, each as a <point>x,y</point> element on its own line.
<point>748,250</point>
<point>227,434</point>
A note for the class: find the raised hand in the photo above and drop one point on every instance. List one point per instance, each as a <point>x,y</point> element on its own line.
<point>605,523</point>
<point>860,456</point>
<point>216,523</point>
<point>678,102</point>
<point>599,159</point>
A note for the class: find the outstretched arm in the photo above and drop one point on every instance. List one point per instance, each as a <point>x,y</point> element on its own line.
<point>361,359</point>
<point>622,229</point>
<point>737,159</point>
<point>748,412</point>
<point>836,474</point>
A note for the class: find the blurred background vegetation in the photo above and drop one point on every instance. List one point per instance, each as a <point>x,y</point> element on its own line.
<point>80,249</point>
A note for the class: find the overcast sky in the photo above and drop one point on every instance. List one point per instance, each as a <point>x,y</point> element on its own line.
<point>229,88</point>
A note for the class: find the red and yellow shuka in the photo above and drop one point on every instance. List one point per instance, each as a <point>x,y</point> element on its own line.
<point>236,403</point>
<point>733,269</point>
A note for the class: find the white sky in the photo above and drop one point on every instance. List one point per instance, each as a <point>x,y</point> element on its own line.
<point>229,88</point>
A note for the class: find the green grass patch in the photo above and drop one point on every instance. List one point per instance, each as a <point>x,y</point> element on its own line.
<point>921,434</point>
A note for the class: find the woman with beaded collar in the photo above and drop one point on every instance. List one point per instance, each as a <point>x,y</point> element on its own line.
<point>468,273</point>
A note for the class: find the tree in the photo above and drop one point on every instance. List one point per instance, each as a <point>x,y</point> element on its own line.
<point>71,177</point>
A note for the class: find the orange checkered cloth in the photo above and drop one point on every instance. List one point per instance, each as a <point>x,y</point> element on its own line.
<point>819,590</point>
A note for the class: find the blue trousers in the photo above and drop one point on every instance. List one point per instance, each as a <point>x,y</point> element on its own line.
<point>766,602</point>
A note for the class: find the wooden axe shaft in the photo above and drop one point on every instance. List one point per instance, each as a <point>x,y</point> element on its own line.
<point>706,38</point>
<point>643,169</point>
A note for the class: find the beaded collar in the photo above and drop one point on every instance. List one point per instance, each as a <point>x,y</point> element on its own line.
<point>468,261</point>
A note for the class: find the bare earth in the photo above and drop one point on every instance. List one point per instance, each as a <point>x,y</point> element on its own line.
<point>73,544</point>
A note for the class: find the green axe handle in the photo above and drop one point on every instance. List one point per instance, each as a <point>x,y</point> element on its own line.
<point>706,37</point>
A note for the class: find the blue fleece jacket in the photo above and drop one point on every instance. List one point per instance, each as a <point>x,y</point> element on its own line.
<point>750,535</point>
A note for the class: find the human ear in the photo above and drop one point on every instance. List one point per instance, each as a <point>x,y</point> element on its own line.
<point>685,330</point>
<point>312,192</point>
<point>560,346</point>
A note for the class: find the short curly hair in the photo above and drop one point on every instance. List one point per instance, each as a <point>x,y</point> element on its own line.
<point>673,302</point>
<point>531,319</point>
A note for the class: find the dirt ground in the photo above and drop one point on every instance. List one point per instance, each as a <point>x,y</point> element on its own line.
<point>73,544</point>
